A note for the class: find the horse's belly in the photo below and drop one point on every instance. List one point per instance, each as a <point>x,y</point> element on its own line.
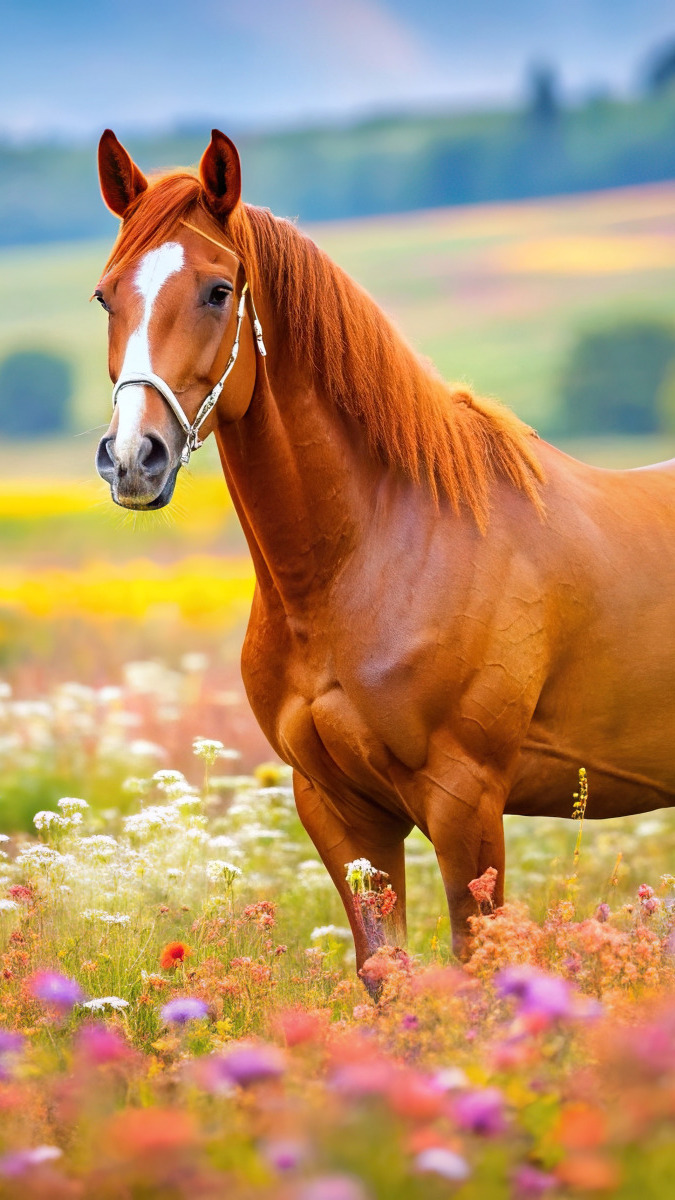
<point>547,776</point>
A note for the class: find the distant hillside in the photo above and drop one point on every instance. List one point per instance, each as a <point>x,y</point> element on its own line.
<point>393,164</point>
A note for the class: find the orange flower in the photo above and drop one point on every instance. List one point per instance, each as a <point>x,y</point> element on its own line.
<point>172,954</point>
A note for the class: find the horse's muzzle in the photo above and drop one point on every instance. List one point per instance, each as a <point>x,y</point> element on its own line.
<point>143,480</point>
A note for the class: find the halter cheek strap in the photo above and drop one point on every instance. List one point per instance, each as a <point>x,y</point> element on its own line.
<point>149,379</point>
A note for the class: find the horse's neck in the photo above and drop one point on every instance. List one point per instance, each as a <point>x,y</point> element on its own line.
<point>300,480</point>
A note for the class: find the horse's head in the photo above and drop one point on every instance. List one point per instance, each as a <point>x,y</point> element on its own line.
<point>181,320</point>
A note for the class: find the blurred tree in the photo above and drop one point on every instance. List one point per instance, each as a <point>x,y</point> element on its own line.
<point>543,97</point>
<point>614,379</point>
<point>660,70</point>
<point>35,393</point>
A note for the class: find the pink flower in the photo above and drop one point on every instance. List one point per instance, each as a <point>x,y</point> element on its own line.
<point>483,888</point>
<point>333,1187</point>
<point>603,912</point>
<point>645,892</point>
<point>101,1045</point>
<point>650,904</point>
<point>530,1184</point>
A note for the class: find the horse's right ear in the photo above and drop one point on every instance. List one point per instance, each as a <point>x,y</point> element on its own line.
<point>121,181</point>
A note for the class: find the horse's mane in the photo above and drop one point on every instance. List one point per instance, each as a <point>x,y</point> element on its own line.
<point>446,437</point>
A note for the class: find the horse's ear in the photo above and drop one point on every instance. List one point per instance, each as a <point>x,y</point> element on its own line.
<point>220,172</point>
<point>121,181</point>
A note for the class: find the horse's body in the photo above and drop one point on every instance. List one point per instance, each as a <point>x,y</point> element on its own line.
<point>416,661</point>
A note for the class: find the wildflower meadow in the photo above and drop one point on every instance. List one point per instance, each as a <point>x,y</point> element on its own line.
<point>181,1014</point>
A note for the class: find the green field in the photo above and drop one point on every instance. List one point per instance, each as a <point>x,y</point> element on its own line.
<point>495,295</point>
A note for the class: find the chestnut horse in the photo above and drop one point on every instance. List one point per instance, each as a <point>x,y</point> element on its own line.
<point>450,616</point>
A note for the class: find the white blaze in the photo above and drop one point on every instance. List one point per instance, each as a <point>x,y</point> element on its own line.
<point>154,269</point>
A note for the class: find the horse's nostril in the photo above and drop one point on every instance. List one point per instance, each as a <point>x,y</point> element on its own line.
<point>153,456</point>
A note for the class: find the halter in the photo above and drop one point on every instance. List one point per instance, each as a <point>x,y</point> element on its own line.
<point>149,379</point>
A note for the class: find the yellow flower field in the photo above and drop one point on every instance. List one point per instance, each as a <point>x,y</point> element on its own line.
<point>205,591</point>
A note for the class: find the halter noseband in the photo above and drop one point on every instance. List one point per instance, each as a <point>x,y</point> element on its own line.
<point>149,379</point>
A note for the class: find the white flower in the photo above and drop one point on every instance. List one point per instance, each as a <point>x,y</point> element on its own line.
<point>194,662</point>
<point>156,818</point>
<point>71,805</point>
<point>207,748</point>
<point>167,776</point>
<point>4,837</point>
<point>185,801</point>
<point>439,1161</point>
<point>217,869</point>
<point>5,690</point>
<point>109,694</point>
<point>174,872</point>
<point>99,845</point>
<point>330,931</point>
<point>97,914</point>
<point>222,841</point>
<point>8,906</point>
<point>115,1002</point>
<point>142,749</point>
<point>40,858</point>
<point>46,818</point>
<point>197,835</point>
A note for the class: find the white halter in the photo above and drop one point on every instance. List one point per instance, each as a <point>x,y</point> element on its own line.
<point>149,379</point>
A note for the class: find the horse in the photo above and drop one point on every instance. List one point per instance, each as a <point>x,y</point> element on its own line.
<point>450,615</point>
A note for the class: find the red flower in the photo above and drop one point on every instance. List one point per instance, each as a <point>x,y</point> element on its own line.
<point>172,954</point>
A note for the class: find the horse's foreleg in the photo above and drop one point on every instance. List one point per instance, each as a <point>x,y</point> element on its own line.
<point>370,833</point>
<point>467,841</point>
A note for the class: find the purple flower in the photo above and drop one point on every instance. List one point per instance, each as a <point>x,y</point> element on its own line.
<point>333,1187</point>
<point>481,1111</point>
<point>410,1021</point>
<point>439,1161</point>
<point>284,1155</point>
<point>183,1009</point>
<point>57,990</point>
<point>537,992</point>
<point>101,1045</point>
<point>650,904</point>
<point>249,1063</point>
<point>603,912</point>
<point>20,1161</point>
<point>530,1184</point>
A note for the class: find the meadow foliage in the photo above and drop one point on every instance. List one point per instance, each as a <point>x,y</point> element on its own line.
<point>181,1017</point>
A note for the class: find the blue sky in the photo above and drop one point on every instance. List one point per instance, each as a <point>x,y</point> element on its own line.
<point>70,67</point>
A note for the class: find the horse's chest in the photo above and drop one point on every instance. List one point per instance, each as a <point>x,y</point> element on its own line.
<point>328,741</point>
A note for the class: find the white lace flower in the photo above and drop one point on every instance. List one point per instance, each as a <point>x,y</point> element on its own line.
<point>106,918</point>
<point>207,748</point>
<point>329,931</point>
<point>99,845</point>
<point>101,1002</point>
<point>72,805</point>
<point>218,870</point>
<point>157,818</point>
<point>8,906</point>
<point>4,837</point>
<point>45,819</point>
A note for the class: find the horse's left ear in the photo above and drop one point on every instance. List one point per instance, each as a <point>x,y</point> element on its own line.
<point>121,180</point>
<point>220,172</point>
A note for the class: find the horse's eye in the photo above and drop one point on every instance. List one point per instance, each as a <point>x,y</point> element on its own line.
<point>98,295</point>
<point>219,294</point>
